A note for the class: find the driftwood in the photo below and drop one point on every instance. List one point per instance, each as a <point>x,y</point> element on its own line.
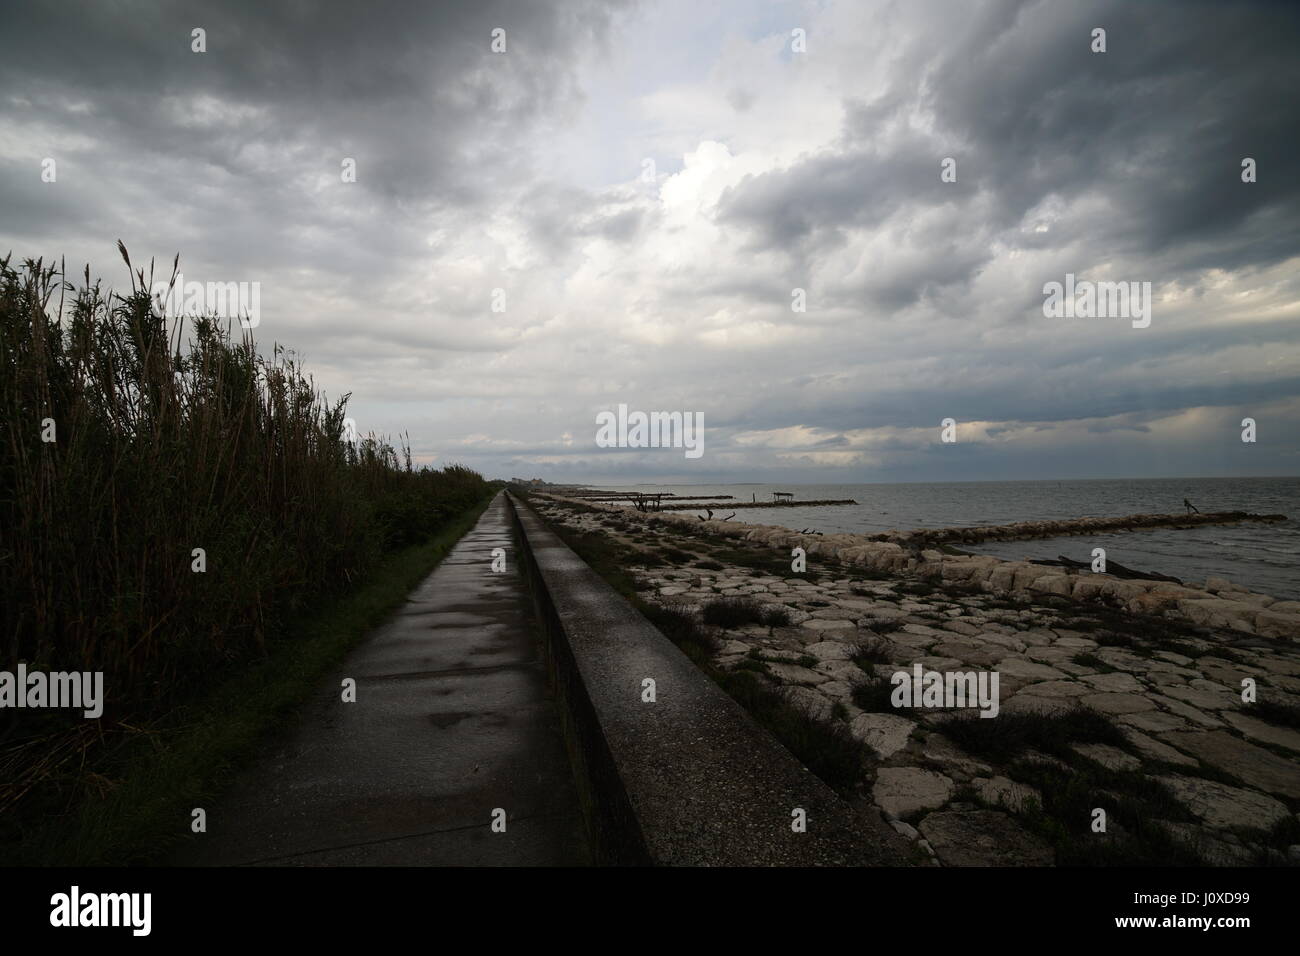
<point>1112,568</point>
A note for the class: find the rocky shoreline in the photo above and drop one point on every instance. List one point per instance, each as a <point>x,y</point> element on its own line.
<point>1219,603</point>
<point>1021,530</point>
<point>1125,697</point>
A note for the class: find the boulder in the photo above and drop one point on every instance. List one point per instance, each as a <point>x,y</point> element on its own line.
<point>1217,612</point>
<point>903,790</point>
<point>1120,593</point>
<point>1264,732</point>
<point>1006,793</point>
<point>1224,807</point>
<point>1270,622</point>
<point>1153,749</point>
<point>1086,587</point>
<point>1052,584</point>
<point>829,651</point>
<point>984,838</point>
<point>1112,758</point>
<point>815,705</point>
<point>1000,578</point>
<point>885,734</point>
<point>1252,765</point>
<point>1025,576</point>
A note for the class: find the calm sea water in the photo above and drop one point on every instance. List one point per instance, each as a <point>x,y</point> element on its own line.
<point>1263,557</point>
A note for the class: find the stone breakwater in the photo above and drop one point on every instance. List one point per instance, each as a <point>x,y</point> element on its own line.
<point>814,503</point>
<point>1075,526</point>
<point>1219,603</point>
<point>1145,718</point>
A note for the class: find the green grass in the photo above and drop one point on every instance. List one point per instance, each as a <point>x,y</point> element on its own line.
<point>185,758</point>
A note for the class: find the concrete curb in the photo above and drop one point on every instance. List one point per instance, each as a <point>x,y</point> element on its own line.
<point>690,779</point>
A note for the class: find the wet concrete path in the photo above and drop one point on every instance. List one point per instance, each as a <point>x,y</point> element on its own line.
<point>452,720</point>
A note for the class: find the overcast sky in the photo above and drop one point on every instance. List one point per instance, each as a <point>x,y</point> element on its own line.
<point>649,182</point>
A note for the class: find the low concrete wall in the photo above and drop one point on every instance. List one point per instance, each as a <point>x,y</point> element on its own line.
<point>689,779</point>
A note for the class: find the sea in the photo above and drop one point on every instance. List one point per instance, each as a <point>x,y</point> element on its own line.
<point>1262,557</point>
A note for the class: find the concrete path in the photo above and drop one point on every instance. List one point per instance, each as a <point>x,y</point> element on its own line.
<point>453,719</point>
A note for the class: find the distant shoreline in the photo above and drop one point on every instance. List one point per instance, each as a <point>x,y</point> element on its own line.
<point>593,486</point>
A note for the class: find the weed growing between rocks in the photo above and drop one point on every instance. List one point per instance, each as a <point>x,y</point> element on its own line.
<point>824,747</point>
<point>732,612</point>
<point>871,652</point>
<point>1011,734</point>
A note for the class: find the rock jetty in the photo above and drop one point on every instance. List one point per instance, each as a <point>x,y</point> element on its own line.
<point>1219,603</point>
<point>1172,708</point>
<point>1074,526</point>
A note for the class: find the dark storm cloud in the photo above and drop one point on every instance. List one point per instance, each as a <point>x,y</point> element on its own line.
<point>409,90</point>
<point>1065,384</point>
<point>860,187</point>
<point>477,171</point>
<point>1158,124</point>
<point>1161,121</point>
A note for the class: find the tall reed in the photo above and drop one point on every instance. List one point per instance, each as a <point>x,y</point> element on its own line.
<point>166,442</point>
